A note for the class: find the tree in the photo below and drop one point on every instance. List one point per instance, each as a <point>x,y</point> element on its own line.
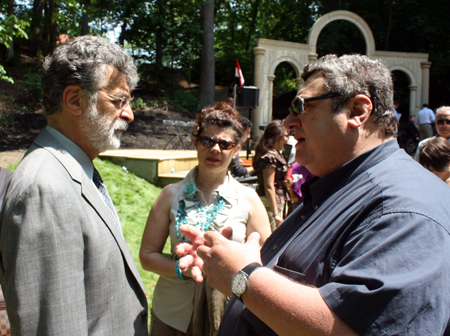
<point>207,71</point>
<point>10,28</point>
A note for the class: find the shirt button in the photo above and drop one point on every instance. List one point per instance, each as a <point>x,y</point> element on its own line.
<point>274,248</point>
<point>316,207</point>
<point>302,216</point>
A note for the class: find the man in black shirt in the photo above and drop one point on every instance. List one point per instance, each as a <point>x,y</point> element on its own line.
<point>368,250</point>
<point>236,168</point>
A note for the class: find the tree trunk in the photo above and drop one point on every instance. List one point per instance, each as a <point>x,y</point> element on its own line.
<point>85,18</point>
<point>388,33</point>
<point>207,76</point>
<point>36,19</point>
<point>252,24</point>
<point>53,9</point>
<point>160,43</point>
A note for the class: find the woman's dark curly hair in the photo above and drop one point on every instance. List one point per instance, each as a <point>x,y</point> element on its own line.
<point>222,115</point>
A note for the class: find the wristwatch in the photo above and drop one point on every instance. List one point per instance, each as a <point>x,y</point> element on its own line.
<point>240,279</point>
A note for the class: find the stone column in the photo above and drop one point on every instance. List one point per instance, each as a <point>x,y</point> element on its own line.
<point>299,83</point>
<point>412,100</point>
<point>312,57</point>
<point>261,83</point>
<point>268,118</point>
<point>425,81</point>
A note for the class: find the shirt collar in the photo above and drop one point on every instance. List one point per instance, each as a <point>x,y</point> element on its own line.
<point>76,152</point>
<point>317,190</point>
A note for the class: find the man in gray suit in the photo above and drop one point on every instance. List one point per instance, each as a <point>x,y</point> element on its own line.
<point>65,266</point>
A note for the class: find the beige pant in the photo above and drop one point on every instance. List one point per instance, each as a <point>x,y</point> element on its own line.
<point>426,131</point>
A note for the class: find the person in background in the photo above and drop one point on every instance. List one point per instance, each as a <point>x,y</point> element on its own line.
<point>397,115</point>
<point>300,175</point>
<point>442,127</point>
<point>66,268</point>
<point>411,130</point>
<point>236,168</point>
<point>434,155</point>
<point>425,118</point>
<point>210,199</point>
<point>367,252</point>
<point>271,168</point>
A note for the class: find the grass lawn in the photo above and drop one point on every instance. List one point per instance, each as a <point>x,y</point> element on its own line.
<point>133,198</point>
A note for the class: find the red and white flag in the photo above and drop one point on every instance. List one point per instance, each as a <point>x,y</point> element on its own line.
<point>239,75</point>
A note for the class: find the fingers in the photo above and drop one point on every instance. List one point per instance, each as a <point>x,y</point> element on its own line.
<point>227,232</point>
<point>194,234</point>
<point>183,248</point>
<point>185,262</point>
<point>196,273</point>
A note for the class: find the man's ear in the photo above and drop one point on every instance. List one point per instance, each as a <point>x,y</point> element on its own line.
<point>360,109</point>
<point>73,100</point>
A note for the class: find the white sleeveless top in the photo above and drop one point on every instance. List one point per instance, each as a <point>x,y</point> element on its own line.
<point>173,298</point>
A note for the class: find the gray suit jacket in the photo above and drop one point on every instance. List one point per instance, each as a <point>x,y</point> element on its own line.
<point>65,269</point>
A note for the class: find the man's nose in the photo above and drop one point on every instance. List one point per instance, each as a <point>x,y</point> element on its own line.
<point>292,121</point>
<point>127,114</point>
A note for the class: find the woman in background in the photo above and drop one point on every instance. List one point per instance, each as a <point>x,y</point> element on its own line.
<point>434,155</point>
<point>271,168</point>
<point>210,199</point>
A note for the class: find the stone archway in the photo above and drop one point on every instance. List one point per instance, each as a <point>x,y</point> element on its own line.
<point>270,53</point>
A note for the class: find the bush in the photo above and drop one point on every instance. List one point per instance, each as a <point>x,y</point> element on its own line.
<point>186,101</point>
<point>138,104</point>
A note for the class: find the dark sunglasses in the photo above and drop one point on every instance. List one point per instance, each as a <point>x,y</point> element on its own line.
<point>210,142</point>
<point>441,122</point>
<point>298,104</point>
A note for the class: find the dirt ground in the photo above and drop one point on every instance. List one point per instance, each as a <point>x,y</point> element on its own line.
<point>145,132</point>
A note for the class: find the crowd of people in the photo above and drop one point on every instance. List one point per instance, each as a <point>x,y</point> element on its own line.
<point>363,248</point>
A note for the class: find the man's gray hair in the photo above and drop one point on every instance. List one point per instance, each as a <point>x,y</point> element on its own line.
<point>82,61</point>
<point>442,109</point>
<point>350,75</point>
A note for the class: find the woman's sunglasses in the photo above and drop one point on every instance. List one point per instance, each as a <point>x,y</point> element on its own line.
<point>210,142</point>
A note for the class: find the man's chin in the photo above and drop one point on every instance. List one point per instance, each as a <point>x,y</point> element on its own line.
<point>110,144</point>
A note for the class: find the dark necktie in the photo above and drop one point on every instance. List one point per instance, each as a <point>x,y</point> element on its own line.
<point>106,198</point>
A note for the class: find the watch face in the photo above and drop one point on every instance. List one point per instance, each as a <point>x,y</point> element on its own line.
<point>239,284</point>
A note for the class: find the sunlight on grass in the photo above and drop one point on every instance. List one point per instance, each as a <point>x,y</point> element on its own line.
<point>133,197</point>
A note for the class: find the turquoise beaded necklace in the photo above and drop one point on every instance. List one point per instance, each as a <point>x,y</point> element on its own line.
<point>204,218</point>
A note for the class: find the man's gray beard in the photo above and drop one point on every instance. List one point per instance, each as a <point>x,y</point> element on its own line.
<point>99,130</point>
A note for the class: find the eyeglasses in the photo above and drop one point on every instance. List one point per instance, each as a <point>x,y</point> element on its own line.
<point>210,142</point>
<point>298,104</point>
<point>441,122</point>
<point>124,101</point>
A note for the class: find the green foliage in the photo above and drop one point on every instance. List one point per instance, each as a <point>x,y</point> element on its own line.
<point>138,104</point>
<point>186,101</point>
<point>6,118</point>
<point>3,75</point>
<point>33,83</point>
<point>10,28</point>
<point>284,79</point>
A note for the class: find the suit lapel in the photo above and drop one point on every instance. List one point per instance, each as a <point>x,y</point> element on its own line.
<point>89,192</point>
